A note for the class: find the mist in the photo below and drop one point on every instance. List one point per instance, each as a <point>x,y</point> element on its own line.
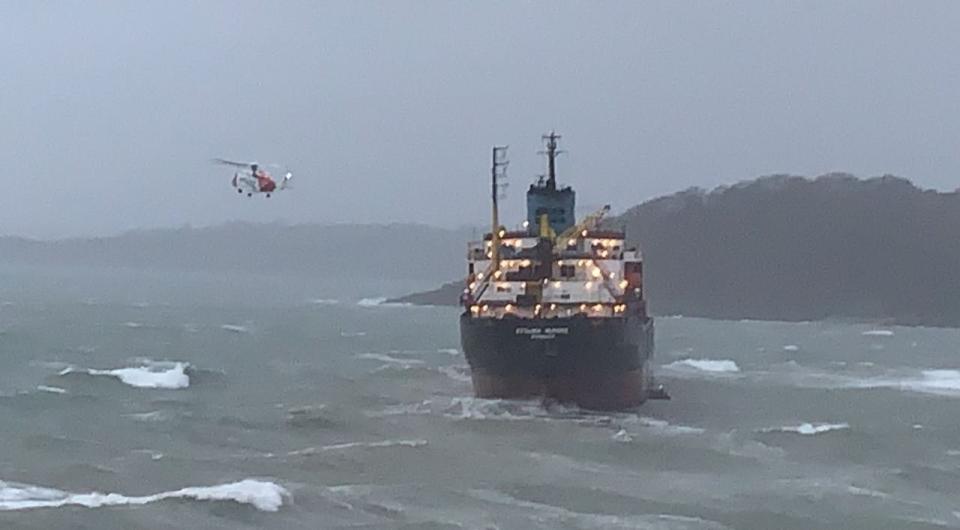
<point>385,111</point>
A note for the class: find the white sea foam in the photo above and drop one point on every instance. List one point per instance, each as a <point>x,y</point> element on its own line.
<point>403,409</point>
<point>51,389</point>
<point>152,375</point>
<point>152,416</point>
<point>469,408</point>
<point>878,333</point>
<point>866,492</point>
<point>350,334</point>
<point>457,373</point>
<point>557,516</point>
<point>133,325</point>
<point>791,347</point>
<point>264,496</point>
<point>940,382</point>
<point>372,302</point>
<point>622,436</point>
<point>706,365</point>
<point>811,428</point>
<point>358,445</point>
<point>382,357</point>
<point>381,301</point>
<point>235,328</point>
<point>324,301</point>
<point>449,351</point>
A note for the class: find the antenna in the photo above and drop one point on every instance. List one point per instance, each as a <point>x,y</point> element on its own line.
<point>498,174</point>
<point>551,153</point>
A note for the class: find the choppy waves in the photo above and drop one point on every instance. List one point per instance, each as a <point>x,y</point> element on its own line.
<point>262,495</point>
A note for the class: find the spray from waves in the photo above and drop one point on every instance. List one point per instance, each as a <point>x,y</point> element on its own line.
<point>151,375</point>
<point>358,445</point>
<point>810,429</point>
<point>235,328</point>
<point>264,496</point>
<point>705,365</point>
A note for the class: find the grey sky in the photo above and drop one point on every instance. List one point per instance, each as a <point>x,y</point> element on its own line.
<point>110,111</point>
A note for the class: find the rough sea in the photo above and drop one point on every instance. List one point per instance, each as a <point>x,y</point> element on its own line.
<point>133,400</point>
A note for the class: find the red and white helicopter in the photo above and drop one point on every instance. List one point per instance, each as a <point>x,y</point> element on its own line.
<point>250,178</point>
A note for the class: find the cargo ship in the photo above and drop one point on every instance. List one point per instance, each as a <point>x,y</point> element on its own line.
<point>555,308</point>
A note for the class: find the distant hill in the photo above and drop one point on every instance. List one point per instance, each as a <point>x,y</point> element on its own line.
<point>792,248</point>
<point>396,251</point>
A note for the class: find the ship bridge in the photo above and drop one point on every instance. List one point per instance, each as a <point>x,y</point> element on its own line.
<point>555,266</point>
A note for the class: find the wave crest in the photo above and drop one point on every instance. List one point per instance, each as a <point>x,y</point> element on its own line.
<point>170,376</point>
<point>706,365</point>
<point>264,496</point>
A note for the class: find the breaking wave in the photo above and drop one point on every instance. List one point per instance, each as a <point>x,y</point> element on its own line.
<point>51,389</point>
<point>706,365</point>
<point>264,496</point>
<point>152,375</point>
<point>235,328</point>
<point>381,301</point>
<point>811,428</point>
<point>878,333</point>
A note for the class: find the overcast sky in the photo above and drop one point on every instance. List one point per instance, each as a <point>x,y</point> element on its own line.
<point>386,111</point>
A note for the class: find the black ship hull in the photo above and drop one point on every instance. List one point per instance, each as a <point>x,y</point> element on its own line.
<point>596,363</point>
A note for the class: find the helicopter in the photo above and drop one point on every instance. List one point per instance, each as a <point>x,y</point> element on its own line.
<point>251,179</point>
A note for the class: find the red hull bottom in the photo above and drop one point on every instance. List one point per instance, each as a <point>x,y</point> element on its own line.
<point>609,391</point>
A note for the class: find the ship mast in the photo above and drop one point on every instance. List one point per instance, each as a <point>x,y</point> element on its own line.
<point>498,172</point>
<point>551,153</point>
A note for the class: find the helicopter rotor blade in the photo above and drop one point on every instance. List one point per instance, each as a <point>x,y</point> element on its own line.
<point>233,163</point>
